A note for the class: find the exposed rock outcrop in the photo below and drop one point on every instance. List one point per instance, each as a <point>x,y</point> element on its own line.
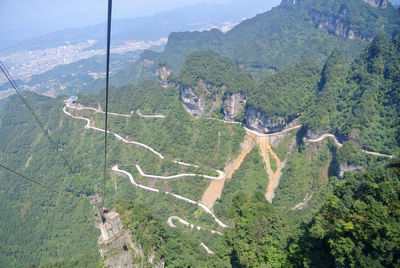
<point>275,139</point>
<point>163,73</point>
<point>201,100</point>
<point>345,167</point>
<point>374,3</point>
<point>258,121</point>
<point>116,246</point>
<point>193,103</point>
<point>336,25</point>
<point>234,104</point>
<point>332,24</point>
<point>377,3</point>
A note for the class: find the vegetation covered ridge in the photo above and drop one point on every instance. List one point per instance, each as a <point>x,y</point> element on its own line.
<point>306,28</point>
<point>89,125</point>
<point>116,169</point>
<point>360,101</point>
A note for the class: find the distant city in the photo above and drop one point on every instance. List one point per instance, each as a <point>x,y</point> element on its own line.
<point>23,64</point>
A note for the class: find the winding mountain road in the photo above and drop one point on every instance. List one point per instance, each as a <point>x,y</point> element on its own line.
<point>252,138</point>
<point>191,226</point>
<point>170,220</point>
<point>214,191</point>
<point>81,107</point>
<point>341,145</point>
<point>221,175</point>
<point>209,251</point>
<point>133,182</point>
<point>126,174</point>
<point>272,134</point>
<point>303,204</point>
<point>259,138</point>
<point>118,137</point>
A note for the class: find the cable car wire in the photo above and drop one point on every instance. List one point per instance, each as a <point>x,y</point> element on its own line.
<point>64,194</point>
<point>46,131</point>
<point>107,85</point>
<point>42,126</point>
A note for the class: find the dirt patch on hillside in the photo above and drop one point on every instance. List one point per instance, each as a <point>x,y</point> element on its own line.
<point>214,190</point>
<point>266,151</point>
<point>273,176</point>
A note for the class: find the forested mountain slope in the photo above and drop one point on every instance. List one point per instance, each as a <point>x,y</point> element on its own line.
<point>288,92</point>
<point>273,40</point>
<point>333,204</point>
<point>361,101</point>
<point>41,226</point>
<point>34,216</point>
<point>212,85</point>
<point>281,236</point>
<point>281,37</point>
<point>358,224</point>
<point>353,100</point>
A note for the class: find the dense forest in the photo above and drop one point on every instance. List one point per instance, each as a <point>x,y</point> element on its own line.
<point>34,216</point>
<point>335,205</point>
<point>361,100</point>
<point>211,68</point>
<point>355,100</point>
<point>282,36</point>
<point>288,92</point>
<point>357,226</point>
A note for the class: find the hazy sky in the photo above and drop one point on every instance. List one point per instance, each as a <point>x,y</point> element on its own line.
<point>74,13</point>
<point>22,19</point>
<point>50,15</point>
<point>28,18</point>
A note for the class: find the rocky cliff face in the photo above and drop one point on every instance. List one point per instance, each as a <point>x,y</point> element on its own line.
<point>333,24</point>
<point>374,3</point>
<point>204,99</point>
<point>116,246</point>
<point>377,3</point>
<point>260,122</point>
<point>275,139</point>
<point>234,104</point>
<point>193,103</point>
<point>163,73</point>
<point>201,100</point>
<point>117,251</point>
<point>345,167</point>
<point>337,24</point>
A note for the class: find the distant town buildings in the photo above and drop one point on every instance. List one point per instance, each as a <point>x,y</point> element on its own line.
<point>23,64</point>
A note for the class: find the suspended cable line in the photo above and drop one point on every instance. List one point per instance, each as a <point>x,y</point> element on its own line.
<point>46,131</point>
<point>107,85</point>
<point>64,194</point>
<point>42,126</point>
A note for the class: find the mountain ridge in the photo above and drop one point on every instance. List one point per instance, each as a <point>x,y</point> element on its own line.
<point>326,189</point>
<point>259,44</point>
